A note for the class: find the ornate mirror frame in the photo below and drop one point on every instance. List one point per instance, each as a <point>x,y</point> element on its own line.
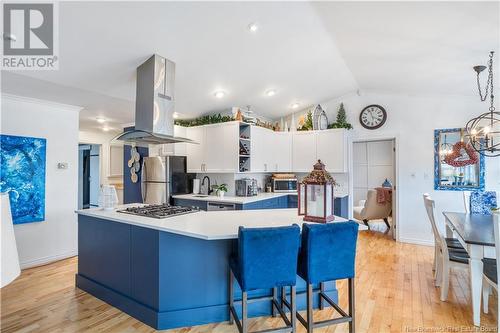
<point>479,169</point>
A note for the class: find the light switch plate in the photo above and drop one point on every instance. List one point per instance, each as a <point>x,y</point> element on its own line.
<point>62,165</point>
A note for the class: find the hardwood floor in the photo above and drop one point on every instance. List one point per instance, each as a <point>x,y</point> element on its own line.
<point>394,293</point>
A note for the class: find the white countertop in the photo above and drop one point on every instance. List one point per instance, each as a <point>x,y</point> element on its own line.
<point>207,225</point>
<point>233,199</point>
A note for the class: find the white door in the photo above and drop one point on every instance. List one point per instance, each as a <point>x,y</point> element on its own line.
<point>195,152</point>
<point>304,151</point>
<point>331,148</point>
<point>282,151</point>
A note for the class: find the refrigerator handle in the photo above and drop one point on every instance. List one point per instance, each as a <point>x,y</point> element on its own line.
<point>143,182</point>
<point>168,179</point>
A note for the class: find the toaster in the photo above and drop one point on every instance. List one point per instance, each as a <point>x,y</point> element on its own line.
<point>246,187</point>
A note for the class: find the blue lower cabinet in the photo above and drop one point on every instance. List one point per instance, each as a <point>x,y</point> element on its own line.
<point>293,201</point>
<point>341,207</point>
<point>162,279</point>
<point>191,203</point>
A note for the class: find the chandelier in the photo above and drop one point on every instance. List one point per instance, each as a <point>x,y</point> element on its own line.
<point>484,130</point>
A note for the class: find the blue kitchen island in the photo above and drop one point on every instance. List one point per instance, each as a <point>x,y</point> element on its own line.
<point>170,272</point>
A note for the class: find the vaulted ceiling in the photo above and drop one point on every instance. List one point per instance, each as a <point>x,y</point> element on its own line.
<point>307,52</point>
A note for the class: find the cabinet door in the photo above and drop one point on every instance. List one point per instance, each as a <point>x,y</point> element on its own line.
<point>195,152</point>
<point>331,148</point>
<point>304,151</point>
<point>178,149</point>
<point>258,149</point>
<point>281,159</point>
<point>214,149</point>
<point>231,132</point>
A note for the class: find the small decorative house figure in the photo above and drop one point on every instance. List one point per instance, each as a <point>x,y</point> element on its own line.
<point>316,195</point>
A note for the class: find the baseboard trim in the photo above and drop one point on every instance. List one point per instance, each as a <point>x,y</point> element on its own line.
<point>47,260</point>
<point>416,241</point>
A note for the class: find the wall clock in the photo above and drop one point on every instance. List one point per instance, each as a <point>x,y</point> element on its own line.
<point>373,117</point>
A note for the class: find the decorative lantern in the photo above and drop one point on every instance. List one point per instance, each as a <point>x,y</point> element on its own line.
<point>316,195</point>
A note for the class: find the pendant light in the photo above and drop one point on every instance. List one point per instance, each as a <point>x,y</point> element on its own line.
<point>484,130</point>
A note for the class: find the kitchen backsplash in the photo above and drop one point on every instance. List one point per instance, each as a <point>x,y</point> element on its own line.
<point>262,178</point>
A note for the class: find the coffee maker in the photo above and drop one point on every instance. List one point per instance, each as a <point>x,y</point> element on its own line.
<point>246,187</point>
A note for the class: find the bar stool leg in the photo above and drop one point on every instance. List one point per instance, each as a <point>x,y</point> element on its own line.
<point>293,310</point>
<point>275,298</point>
<point>352,327</point>
<point>231,296</point>
<point>322,290</point>
<point>310,321</point>
<point>283,298</point>
<point>244,312</point>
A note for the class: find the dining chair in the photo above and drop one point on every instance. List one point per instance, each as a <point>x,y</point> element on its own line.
<point>466,195</point>
<point>481,202</point>
<point>445,258</point>
<point>491,270</point>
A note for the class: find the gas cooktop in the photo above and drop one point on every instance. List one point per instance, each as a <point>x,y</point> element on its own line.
<point>158,211</point>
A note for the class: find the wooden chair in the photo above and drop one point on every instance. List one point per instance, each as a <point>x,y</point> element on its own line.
<point>445,257</point>
<point>491,270</point>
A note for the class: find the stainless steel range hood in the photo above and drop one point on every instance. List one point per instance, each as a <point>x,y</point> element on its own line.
<point>154,104</point>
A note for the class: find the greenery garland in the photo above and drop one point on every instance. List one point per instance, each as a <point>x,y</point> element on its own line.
<point>203,120</point>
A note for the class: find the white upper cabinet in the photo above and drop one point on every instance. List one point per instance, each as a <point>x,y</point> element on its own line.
<point>195,152</point>
<point>331,149</point>
<point>259,149</point>
<point>217,150</point>
<point>281,158</point>
<point>178,149</point>
<point>304,151</point>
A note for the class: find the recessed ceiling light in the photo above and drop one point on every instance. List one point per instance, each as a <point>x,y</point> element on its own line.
<point>270,93</point>
<point>253,27</point>
<point>295,105</point>
<point>175,115</point>
<point>105,128</point>
<point>219,94</point>
<point>100,120</point>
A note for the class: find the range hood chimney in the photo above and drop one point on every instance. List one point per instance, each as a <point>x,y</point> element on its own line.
<point>154,104</point>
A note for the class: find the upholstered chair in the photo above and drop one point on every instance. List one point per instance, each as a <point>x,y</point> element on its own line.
<point>370,209</point>
<point>266,259</point>
<point>328,253</point>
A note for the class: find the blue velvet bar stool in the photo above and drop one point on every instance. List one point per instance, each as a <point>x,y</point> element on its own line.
<point>327,253</point>
<point>481,202</point>
<point>266,259</point>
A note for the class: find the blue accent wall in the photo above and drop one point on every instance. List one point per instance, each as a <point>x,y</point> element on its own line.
<point>132,191</point>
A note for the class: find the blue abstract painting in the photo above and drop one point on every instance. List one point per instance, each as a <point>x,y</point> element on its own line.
<point>22,174</point>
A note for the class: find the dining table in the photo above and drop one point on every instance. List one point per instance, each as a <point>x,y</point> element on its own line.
<point>475,233</point>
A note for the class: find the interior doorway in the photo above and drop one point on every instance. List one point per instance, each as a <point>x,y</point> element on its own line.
<point>88,175</point>
<point>374,184</point>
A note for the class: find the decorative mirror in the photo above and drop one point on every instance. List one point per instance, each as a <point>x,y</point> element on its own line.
<point>457,166</point>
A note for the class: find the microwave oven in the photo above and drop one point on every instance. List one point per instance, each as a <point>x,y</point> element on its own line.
<point>284,184</point>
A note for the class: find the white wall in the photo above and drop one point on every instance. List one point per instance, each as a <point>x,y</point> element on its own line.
<point>412,120</point>
<point>56,237</point>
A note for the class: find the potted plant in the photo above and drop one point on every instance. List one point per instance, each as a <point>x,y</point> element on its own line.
<point>220,190</point>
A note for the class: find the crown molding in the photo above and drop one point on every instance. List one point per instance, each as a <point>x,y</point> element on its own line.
<point>17,98</point>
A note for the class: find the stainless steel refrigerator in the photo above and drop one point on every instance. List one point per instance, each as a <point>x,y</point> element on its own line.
<point>164,176</point>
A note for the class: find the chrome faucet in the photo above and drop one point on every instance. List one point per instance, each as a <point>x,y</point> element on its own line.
<point>209,187</point>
